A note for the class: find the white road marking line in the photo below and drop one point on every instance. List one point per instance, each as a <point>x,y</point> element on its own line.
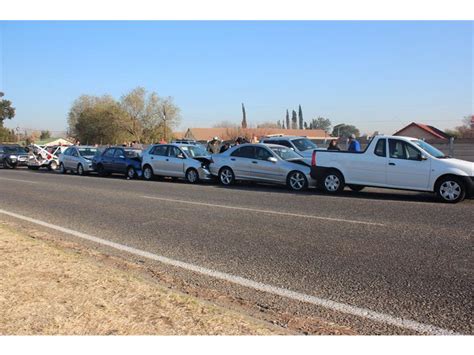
<point>264,211</point>
<point>325,303</point>
<point>18,180</point>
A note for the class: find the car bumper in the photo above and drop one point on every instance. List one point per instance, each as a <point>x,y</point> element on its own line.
<point>205,174</point>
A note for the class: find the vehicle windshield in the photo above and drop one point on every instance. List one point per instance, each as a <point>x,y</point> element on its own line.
<point>303,144</point>
<point>429,149</point>
<point>87,152</point>
<point>285,153</point>
<point>132,153</point>
<point>15,150</point>
<point>194,151</point>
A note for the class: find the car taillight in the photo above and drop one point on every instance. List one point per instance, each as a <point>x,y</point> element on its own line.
<point>313,158</point>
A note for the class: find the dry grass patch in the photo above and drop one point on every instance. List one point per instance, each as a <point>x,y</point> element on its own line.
<point>45,289</point>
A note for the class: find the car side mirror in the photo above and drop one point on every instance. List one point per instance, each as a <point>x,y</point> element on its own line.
<point>181,156</point>
<point>423,157</point>
<point>272,159</point>
<point>122,156</point>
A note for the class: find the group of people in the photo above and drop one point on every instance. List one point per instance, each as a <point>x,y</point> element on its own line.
<point>354,145</point>
<point>215,145</point>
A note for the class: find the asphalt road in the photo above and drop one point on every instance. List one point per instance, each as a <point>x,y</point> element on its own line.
<point>402,254</point>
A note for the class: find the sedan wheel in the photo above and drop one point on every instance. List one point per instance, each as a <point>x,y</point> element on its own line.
<point>226,176</point>
<point>192,176</point>
<point>451,190</point>
<point>148,173</point>
<point>131,173</point>
<point>297,181</point>
<point>80,170</point>
<point>62,169</point>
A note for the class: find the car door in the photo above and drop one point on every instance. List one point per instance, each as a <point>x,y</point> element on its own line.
<point>158,156</point>
<point>265,170</point>
<point>240,161</point>
<point>107,159</point>
<point>173,164</point>
<point>406,168</point>
<point>119,162</point>
<point>73,159</point>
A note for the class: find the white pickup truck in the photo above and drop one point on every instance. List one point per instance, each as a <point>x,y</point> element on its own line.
<point>396,163</point>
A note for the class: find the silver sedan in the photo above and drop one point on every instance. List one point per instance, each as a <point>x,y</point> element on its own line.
<point>269,163</point>
<point>188,161</point>
<point>77,159</point>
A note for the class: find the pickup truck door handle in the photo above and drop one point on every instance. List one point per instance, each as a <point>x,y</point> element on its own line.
<point>391,164</point>
<point>254,162</point>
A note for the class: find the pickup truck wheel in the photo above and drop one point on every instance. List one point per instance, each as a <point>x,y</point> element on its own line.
<point>296,181</point>
<point>62,169</point>
<point>332,182</point>
<point>192,176</point>
<point>356,187</point>
<point>451,189</point>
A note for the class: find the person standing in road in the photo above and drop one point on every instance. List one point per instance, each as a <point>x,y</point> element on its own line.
<point>213,146</point>
<point>333,145</point>
<point>354,145</point>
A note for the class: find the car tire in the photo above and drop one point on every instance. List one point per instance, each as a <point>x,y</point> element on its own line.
<point>226,176</point>
<point>52,166</point>
<point>148,173</point>
<point>296,181</point>
<point>131,173</point>
<point>80,170</point>
<point>101,170</point>
<point>332,182</point>
<point>192,176</point>
<point>356,188</point>
<point>62,169</point>
<point>7,164</point>
<point>450,189</point>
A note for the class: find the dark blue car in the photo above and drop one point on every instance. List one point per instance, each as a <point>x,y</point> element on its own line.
<point>118,160</point>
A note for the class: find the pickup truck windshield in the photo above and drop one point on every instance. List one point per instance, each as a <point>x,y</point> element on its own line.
<point>429,149</point>
<point>303,144</point>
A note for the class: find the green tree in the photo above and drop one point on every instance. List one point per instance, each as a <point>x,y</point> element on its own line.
<point>146,115</point>
<point>294,120</point>
<point>244,117</point>
<point>45,135</point>
<point>343,130</point>
<point>320,123</point>
<point>7,111</point>
<point>287,120</point>
<point>300,117</point>
<point>7,135</point>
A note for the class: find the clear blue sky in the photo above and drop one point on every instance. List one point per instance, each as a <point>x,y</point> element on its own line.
<point>375,75</point>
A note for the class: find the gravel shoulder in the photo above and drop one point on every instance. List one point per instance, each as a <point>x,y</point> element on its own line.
<point>51,287</point>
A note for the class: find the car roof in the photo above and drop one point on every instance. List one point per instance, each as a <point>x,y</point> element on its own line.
<point>284,137</point>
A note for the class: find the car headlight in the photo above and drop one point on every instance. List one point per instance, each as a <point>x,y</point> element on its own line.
<point>13,157</point>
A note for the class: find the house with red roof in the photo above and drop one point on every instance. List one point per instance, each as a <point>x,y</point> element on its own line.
<point>422,131</point>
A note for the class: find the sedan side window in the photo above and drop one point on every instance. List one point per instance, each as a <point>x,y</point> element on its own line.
<point>119,153</point>
<point>173,152</point>
<point>74,153</point>
<point>244,152</point>
<point>262,153</point>
<point>381,148</point>
<point>160,150</point>
<point>109,153</point>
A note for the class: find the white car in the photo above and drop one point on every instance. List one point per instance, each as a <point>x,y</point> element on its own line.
<point>301,145</point>
<point>397,163</point>
<point>188,161</point>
